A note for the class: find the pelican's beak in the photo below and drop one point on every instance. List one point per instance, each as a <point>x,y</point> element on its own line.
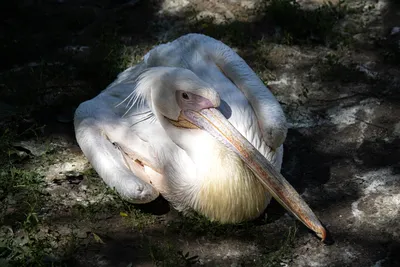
<point>212,121</point>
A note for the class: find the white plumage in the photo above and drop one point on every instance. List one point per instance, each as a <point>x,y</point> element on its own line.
<point>140,140</point>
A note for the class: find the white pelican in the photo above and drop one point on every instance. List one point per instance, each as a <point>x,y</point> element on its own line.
<point>194,123</point>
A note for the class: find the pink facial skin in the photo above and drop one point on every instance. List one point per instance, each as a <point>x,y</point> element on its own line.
<point>190,101</point>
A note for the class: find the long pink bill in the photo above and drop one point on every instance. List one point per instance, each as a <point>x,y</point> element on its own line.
<point>212,121</point>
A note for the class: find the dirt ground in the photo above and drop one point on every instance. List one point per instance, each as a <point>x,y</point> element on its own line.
<point>335,69</point>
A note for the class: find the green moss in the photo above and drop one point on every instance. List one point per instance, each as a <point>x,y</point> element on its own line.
<point>22,199</point>
<point>281,252</point>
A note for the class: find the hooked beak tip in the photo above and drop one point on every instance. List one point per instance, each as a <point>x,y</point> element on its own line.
<point>327,237</point>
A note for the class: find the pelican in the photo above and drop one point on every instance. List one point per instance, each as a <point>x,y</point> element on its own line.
<point>193,123</point>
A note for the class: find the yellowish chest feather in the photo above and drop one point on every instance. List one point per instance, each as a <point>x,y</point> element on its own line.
<point>229,192</point>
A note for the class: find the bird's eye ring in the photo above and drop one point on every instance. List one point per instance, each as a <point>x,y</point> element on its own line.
<point>185,96</point>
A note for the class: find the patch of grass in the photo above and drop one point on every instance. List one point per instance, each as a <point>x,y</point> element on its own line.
<point>110,203</point>
<point>22,197</point>
<point>198,225</point>
<point>24,240</point>
<point>280,254</point>
<point>6,138</point>
<point>90,173</point>
<point>92,211</point>
<point>22,186</point>
<point>23,247</point>
<point>134,218</point>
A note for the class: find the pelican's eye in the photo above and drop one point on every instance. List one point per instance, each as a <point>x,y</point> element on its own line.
<point>185,96</point>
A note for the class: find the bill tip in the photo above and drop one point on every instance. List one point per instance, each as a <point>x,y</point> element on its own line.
<point>328,240</point>
<point>325,236</point>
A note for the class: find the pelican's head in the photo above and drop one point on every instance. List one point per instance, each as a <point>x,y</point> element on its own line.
<point>181,100</point>
<point>175,90</point>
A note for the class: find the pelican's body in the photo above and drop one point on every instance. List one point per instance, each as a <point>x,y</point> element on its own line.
<point>140,137</point>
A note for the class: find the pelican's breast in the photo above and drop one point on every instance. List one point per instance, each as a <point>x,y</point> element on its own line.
<point>228,191</point>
